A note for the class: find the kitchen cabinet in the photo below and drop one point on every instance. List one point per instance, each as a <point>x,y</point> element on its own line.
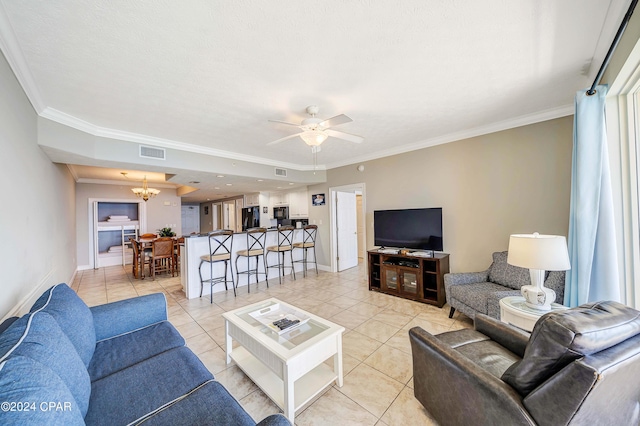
<point>298,204</point>
<point>279,198</point>
<point>252,200</point>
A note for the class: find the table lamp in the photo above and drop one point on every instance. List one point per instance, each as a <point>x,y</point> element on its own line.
<point>538,253</point>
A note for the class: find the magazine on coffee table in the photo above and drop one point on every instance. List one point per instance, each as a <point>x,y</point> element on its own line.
<point>279,319</point>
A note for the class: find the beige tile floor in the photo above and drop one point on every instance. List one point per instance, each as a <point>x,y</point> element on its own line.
<point>378,374</point>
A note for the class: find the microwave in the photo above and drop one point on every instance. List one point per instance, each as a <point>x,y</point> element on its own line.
<point>281,212</point>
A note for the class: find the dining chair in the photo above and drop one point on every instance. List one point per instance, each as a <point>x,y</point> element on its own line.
<point>179,243</point>
<point>220,246</point>
<point>148,236</point>
<point>285,240</point>
<point>140,258</point>
<point>162,256</point>
<point>308,243</point>
<point>256,238</point>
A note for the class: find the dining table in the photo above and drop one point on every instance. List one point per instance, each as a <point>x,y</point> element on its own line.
<point>145,245</point>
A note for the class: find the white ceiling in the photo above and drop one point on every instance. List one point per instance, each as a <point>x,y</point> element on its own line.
<point>207,75</point>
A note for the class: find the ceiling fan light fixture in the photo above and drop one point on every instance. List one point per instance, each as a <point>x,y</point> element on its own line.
<point>314,137</point>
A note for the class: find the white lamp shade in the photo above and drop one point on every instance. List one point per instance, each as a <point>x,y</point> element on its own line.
<point>313,137</point>
<point>535,251</point>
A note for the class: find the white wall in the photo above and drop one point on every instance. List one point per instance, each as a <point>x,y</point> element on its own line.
<point>514,181</point>
<point>158,214</point>
<point>37,217</point>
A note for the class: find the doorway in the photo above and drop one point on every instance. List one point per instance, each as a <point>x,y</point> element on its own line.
<point>347,216</point>
<point>190,216</point>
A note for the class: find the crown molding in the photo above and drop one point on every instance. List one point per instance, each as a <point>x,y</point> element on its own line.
<point>523,120</point>
<point>76,123</point>
<point>12,51</point>
<point>103,132</point>
<point>125,183</point>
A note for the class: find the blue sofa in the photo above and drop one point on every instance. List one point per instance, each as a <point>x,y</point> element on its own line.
<point>120,363</point>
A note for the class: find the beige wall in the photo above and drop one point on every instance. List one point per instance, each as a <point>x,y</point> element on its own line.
<point>514,181</point>
<point>158,214</point>
<point>37,217</point>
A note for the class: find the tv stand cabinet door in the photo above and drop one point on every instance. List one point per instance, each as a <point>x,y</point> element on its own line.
<point>409,282</point>
<point>390,282</point>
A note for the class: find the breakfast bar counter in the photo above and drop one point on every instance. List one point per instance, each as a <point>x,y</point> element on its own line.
<point>198,245</point>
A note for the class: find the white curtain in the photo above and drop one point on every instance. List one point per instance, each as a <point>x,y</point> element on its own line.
<point>592,246</point>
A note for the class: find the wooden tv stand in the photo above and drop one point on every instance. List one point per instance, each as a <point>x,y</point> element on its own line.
<point>411,277</point>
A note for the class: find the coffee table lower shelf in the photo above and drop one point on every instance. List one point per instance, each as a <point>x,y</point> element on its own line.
<point>305,388</point>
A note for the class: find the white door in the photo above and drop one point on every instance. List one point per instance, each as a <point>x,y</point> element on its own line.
<point>229,215</point>
<point>190,219</point>
<point>347,230</point>
<point>239,206</point>
<point>216,208</point>
<point>360,219</point>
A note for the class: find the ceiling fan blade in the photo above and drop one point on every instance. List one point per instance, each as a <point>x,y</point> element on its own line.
<point>284,139</point>
<point>344,136</point>
<point>334,121</point>
<point>285,122</point>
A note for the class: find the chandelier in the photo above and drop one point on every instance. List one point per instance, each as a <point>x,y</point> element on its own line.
<point>145,192</point>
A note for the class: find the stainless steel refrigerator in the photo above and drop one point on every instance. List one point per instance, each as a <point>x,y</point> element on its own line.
<point>250,218</point>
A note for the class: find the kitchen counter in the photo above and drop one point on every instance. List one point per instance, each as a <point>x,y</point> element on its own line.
<point>198,245</point>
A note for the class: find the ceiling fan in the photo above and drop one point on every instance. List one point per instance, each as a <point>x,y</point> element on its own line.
<point>315,130</point>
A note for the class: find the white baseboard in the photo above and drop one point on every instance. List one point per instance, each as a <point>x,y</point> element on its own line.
<point>27,302</point>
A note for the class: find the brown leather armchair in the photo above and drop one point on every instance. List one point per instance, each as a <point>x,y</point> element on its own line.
<point>578,366</point>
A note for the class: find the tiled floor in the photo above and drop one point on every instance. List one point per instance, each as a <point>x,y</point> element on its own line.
<point>378,382</point>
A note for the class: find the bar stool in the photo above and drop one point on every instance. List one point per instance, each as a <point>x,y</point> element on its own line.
<point>285,239</point>
<point>220,243</point>
<point>256,238</point>
<point>308,242</point>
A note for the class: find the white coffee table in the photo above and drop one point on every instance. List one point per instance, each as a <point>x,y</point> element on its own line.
<point>289,368</point>
<point>514,311</point>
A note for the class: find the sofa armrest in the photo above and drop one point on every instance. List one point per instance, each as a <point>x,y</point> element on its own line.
<point>275,420</point>
<point>506,335</point>
<point>452,387</point>
<point>466,277</point>
<point>113,319</point>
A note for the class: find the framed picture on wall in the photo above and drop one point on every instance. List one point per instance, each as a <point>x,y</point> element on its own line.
<point>265,209</point>
<point>206,210</point>
<point>317,200</point>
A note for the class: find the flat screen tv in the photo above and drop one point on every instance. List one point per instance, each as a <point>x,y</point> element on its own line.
<point>419,229</point>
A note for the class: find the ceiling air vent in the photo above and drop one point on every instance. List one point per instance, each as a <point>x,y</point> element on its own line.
<point>152,152</point>
<point>281,172</point>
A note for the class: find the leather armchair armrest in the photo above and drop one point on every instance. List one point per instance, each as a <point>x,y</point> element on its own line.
<point>508,336</point>
<point>455,390</point>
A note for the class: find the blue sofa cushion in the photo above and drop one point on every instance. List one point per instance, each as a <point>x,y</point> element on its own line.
<point>29,386</point>
<point>132,393</point>
<point>73,317</point>
<point>209,403</point>
<point>6,323</point>
<point>123,351</point>
<point>38,336</point>
<point>124,316</point>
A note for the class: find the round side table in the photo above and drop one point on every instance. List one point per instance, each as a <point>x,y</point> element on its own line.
<point>514,311</point>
